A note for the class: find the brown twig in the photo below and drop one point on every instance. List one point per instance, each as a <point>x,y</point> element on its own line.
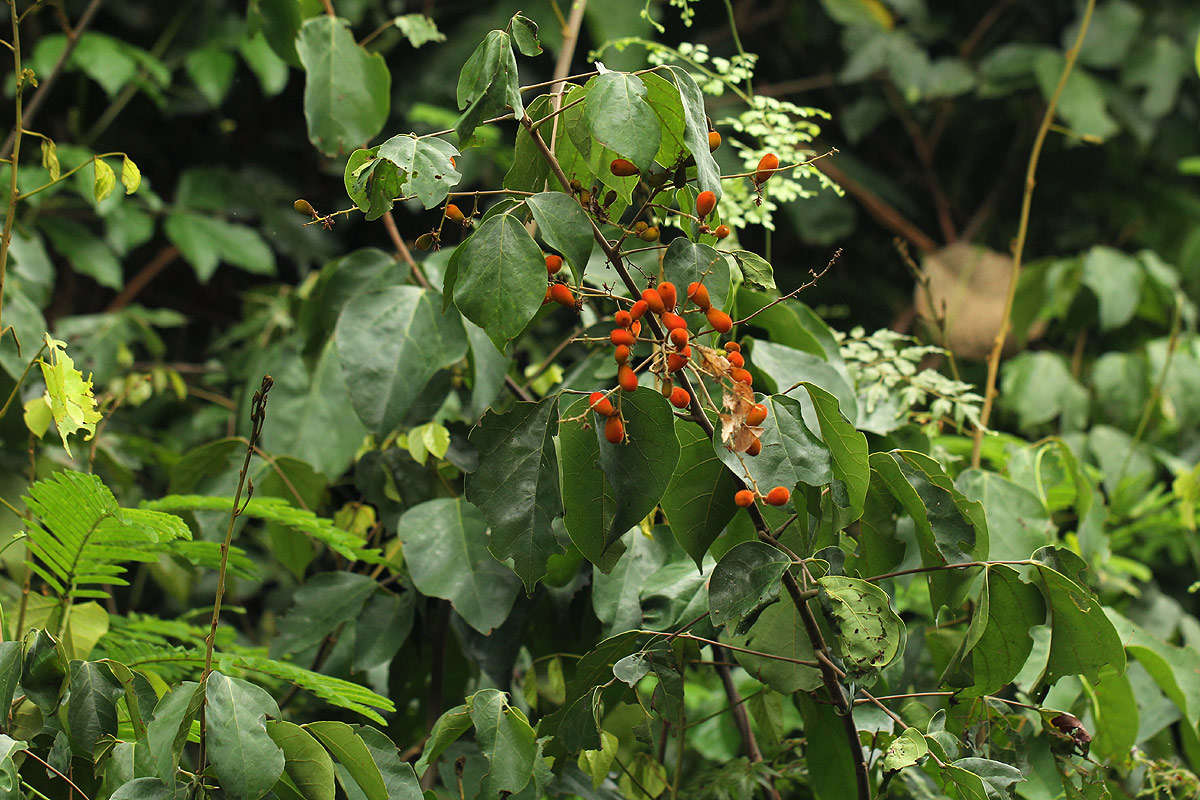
<point>878,208</point>
<point>146,274</point>
<point>54,769</point>
<point>816,276</point>
<point>993,364</point>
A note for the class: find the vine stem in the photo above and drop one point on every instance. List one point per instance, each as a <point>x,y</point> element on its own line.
<point>829,672</point>
<point>10,215</point>
<point>1155,393</point>
<point>993,363</point>
<point>258,415</point>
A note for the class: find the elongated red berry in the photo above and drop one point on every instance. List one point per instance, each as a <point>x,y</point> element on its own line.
<point>553,263</point>
<point>679,337</point>
<point>621,354</point>
<point>714,141</point>
<point>741,376</point>
<point>676,362</point>
<point>698,294</point>
<point>720,321</point>
<point>744,498</point>
<point>623,318</point>
<point>454,214</point>
<point>721,232</point>
<point>756,414</point>
<point>623,336</point>
<point>638,309</point>
<point>733,347</point>
<point>601,404</point>
<point>561,294</point>
<point>673,321</point>
<point>735,359</point>
<point>614,430</point>
<point>680,398</point>
<point>654,300</point>
<point>766,167</point>
<point>778,496</point>
<point>651,234</point>
<point>755,447</point>
<point>666,290</point>
<point>636,327</point>
<point>622,168</point>
<point>627,378</point>
<point>706,201</point>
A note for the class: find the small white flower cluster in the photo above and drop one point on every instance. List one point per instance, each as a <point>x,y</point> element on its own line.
<point>686,13</point>
<point>784,129</point>
<point>715,73</point>
<point>886,365</point>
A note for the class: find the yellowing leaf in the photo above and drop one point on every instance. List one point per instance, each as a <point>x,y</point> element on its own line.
<point>38,416</point>
<point>131,176</point>
<point>69,396</point>
<point>105,180</point>
<point>50,158</point>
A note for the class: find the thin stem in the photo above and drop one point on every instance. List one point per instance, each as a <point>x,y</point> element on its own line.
<point>1155,393</point>
<point>12,395</point>
<point>10,215</point>
<point>65,175</point>
<point>258,415</point>
<point>737,42</point>
<point>49,766</point>
<point>941,567</point>
<point>993,364</point>
<point>734,648</point>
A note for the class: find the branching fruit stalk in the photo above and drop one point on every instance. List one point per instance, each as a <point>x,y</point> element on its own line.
<point>258,415</point>
<point>829,672</point>
<point>993,363</point>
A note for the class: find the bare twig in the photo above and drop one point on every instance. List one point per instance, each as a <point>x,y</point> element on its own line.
<point>878,208</point>
<point>146,274</point>
<point>816,276</point>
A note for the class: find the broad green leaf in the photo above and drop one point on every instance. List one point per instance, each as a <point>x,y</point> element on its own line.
<point>271,70</point>
<point>1175,669</point>
<point>307,763</point>
<point>499,278</point>
<point>92,710</point>
<point>390,343</point>
<point>103,181</point>
<point>621,120</point>
<point>596,764</point>
<point>696,130</point>
<point>1018,522</point>
<point>280,21</point>
<point>430,439</point>
<point>325,602</point>
<point>425,166</point>
<point>779,632</point>
<point>207,242</point>
<point>950,528</point>
<point>1082,639</point>
<point>245,759</point>
<point>143,789</point>
<point>398,776</point>
<point>645,778</point>
<point>785,368</point>
<point>905,750</point>
<point>1039,387</point>
<point>418,29</point>
<point>10,674</point>
<point>1116,716</point>
<point>685,262</point>
<point>616,595</point>
<point>211,69</point>
<point>525,35</point>
<point>756,270</point>
<point>88,254</point>
<point>792,324</point>
<point>352,753</point>
<point>859,12</point>
<point>167,731</point>
<point>847,452</point>
<point>1082,103</point>
<point>347,91</point>
<point>698,502</point>
<point>663,98</point>
<point>446,730</point>
<point>868,633</point>
<point>744,582</point>
<point>967,785</point>
<point>1116,280</point>
<point>515,486</point>
<point>374,184</point>
<point>830,762</point>
<point>565,227</point>
<point>996,776</point>
<point>489,367</point>
<point>790,453</point>
<point>506,740</point>
<point>998,639</point>
<point>487,83</point>
<point>445,549</point>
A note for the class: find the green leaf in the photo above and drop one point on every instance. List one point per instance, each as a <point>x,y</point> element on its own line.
<point>104,181</point>
<point>620,119</point>
<point>143,789</point>
<point>831,770</point>
<point>10,674</point>
<point>167,731</point>
<point>245,759</point>
<point>418,29</point>
<point>372,183</point>
<point>280,21</point>
<point>1082,639</point>
<point>596,764</point>
<point>50,158</point>
<point>506,740</point>
<point>996,775</point>
<point>998,639</point>
<point>1116,716</point>
<point>271,70</point>
<point>1116,279</point>
<point>92,710</point>
<point>756,271</point>
<point>131,176</point>
<point>696,130</point>
<point>398,776</point>
<point>905,750</point>
<point>1018,522</point>
<point>847,450</point>
<point>390,343</point>
<point>499,278</point>
<point>88,254</point>
<point>1039,387</point>
<point>868,633</point>
<point>698,501</point>
<point>207,241</point>
<point>525,35</point>
<point>446,731</point>
<point>1081,104</point>
<point>1175,669</point>
<point>319,607</point>
<point>790,452</point>
<point>347,91</point>
<point>424,166</point>
<point>445,549</point>
<point>307,763</point>
<point>786,368</point>
<point>792,324</point>
<point>745,581</point>
<point>686,261</point>
<point>487,83</point>
<point>778,632</point>
<point>565,227</point>
<point>352,753</point>
<point>645,779</point>
<point>211,68</point>
<point>515,486</point>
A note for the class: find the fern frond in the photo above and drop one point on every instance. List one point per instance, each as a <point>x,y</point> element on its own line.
<point>207,555</point>
<point>274,509</point>
<point>81,538</point>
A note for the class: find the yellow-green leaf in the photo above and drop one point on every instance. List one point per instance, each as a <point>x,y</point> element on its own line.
<point>131,176</point>
<point>38,416</point>
<point>105,179</point>
<point>50,158</point>
<point>69,396</point>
